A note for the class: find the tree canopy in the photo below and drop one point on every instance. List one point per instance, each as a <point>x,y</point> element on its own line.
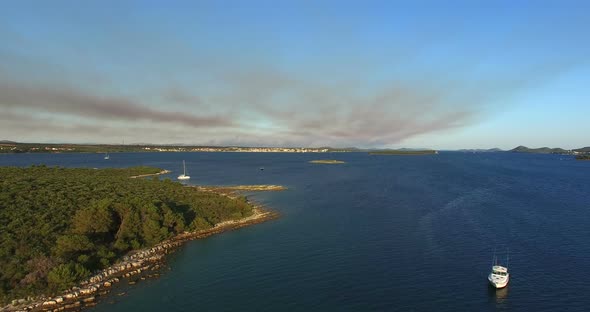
<point>59,224</point>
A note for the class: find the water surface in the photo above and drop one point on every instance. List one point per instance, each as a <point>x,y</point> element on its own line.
<point>407,233</point>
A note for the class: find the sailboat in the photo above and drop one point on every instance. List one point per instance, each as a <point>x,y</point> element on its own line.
<point>183,176</point>
<point>106,156</point>
<point>499,276</point>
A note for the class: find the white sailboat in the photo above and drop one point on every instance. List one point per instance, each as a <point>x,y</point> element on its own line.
<point>183,176</point>
<point>106,156</point>
<point>499,277</point>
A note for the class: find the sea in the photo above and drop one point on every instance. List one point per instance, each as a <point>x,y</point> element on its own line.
<point>378,233</point>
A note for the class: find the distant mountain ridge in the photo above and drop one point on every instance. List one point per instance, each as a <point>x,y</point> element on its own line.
<point>540,150</point>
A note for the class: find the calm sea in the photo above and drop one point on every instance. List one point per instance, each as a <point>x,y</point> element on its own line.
<point>379,233</point>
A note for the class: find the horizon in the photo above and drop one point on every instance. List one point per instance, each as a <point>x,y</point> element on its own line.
<point>269,146</point>
<point>342,74</point>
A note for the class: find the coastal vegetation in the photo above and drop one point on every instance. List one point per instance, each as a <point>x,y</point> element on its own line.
<point>583,157</point>
<point>403,152</point>
<point>59,224</point>
<point>327,161</point>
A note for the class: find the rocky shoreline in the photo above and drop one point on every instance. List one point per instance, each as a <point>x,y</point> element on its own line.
<point>327,161</point>
<point>150,174</point>
<point>144,262</point>
<point>234,188</point>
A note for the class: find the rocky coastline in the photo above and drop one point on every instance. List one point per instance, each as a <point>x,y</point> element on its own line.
<point>236,188</point>
<point>327,161</point>
<point>145,263</point>
<point>150,174</point>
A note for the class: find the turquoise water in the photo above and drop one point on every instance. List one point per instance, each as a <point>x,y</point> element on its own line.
<point>379,233</point>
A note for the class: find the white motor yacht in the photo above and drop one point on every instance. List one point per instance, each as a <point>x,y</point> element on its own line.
<point>499,276</point>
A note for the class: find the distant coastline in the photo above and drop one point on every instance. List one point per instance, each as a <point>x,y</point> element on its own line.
<point>404,152</point>
<point>15,147</point>
<point>11,147</point>
<point>549,150</point>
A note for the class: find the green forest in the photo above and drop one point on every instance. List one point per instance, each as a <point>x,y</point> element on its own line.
<point>57,225</point>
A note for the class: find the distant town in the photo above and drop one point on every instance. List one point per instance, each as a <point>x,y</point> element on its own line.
<point>16,147</point>
<point>238,149</point>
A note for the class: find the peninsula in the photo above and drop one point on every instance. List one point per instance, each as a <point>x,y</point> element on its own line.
<point>233,188</point>
<point>327,161</point>
<point>61,224</point>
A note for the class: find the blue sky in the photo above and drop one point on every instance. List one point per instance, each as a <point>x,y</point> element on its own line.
<point>452,74</point>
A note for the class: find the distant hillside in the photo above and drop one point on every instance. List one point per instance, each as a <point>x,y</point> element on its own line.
<point>7,142</point>
<point>541,150</point>
<point>583,150</point>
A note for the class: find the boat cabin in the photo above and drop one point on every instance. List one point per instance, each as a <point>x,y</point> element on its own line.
<point>499,270</point>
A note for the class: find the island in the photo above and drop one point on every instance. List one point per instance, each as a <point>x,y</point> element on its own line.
<point>540,150</point>
<point>549,150</point>
<point>69,234</point>
<point>403,152</point>
<point>327,161</point>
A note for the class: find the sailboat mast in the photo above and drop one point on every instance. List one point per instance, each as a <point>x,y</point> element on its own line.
<point>184,167</point>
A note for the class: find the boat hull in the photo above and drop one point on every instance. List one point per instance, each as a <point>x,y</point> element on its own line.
<point>498,282</point>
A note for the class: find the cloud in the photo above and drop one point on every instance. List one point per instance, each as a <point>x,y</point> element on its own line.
<point>267,106</point>
<point>75,102</point>
<point>308,112</point>
<point>20,125</point>
<point>187,86</point>
<point>178,95</point>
